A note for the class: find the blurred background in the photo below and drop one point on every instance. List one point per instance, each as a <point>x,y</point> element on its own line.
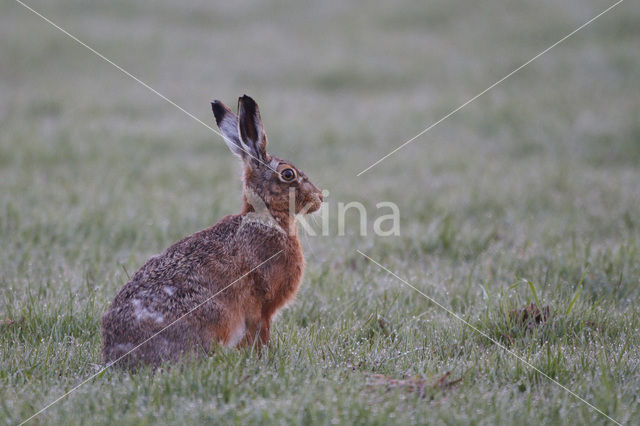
<point>536,178</point>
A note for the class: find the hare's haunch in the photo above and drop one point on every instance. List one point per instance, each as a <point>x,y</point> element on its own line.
<point>198,267</point>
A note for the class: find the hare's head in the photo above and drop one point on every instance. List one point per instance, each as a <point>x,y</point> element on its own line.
<point>268,177</point>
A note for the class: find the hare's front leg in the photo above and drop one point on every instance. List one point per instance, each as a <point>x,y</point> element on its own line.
<point>257,333</point>
<point>265,331</point>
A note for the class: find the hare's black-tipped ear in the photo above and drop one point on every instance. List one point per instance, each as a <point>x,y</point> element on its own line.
<point>228,124</point>
<point>250,128</point>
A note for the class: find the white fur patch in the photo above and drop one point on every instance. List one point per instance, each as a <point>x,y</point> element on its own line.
<point>236,335</point>
<point>169,290</point>
<point>142,313</point>
<point>123,347</point>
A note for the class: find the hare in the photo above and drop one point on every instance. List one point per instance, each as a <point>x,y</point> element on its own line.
<point>223,285</point>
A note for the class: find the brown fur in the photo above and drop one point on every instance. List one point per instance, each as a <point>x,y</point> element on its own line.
<point>194,269</point>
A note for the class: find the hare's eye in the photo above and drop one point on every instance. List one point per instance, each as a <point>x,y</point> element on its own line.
<point>287,175</point>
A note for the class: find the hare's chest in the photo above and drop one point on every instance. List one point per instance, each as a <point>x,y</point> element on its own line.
<point>283,283</point>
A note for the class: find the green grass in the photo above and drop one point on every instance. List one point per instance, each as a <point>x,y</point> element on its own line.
<point>538,180</point>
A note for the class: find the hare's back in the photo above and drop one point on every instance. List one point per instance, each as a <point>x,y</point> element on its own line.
<point>191,265</point>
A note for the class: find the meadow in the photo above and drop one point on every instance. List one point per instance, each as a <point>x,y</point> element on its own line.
<point>530,194</point>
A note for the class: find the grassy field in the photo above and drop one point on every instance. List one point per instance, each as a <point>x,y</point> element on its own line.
<point>529,194</point>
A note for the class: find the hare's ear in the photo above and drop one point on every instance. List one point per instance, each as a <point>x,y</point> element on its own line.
<point>228,124</point>
<point>250,128</point>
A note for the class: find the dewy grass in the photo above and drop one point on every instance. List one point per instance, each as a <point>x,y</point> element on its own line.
<point>533,181</point>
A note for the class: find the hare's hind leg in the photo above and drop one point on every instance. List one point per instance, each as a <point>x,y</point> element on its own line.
<point>130,340</point>
<point>147,344</point>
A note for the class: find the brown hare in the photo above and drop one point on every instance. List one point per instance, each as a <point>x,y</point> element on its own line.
<point>222,285</point>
